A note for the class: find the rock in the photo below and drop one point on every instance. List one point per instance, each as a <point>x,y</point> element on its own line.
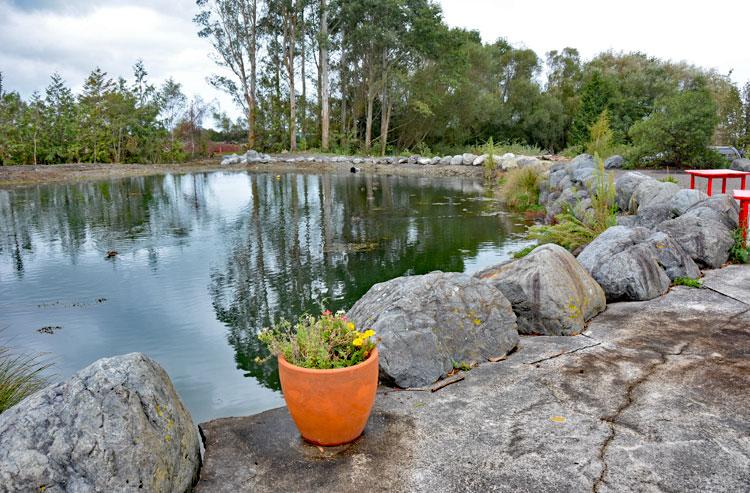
<point>741,164</point>
<point>430,322</point>
<point>468,159</point>
<point>479,161</point>
<point>556,179</point>
<point>584,176</point>
<point>580,162</point>
<point>551,293</point>
<point>403,160</point>
<point>116,425</point>
<point>705,240</point>
<point>424,160</point>
<point>614,162</point>
<point>525,161</point>
<point>413,159</point>
<point>435,160</point>
<point>652,215</point>
<point>673,259</point>
<point>650,192</point>
<point>252,155</point>
<point>567,198</point>
<point>727,209</point>
<point>231,159</point>
<point>457,160</point>
<point>684,199</point>
<point>625,266</point>
<point>625,185</point>
<point>446,160</point>
<point>357,161</point>
<point>506,161</point>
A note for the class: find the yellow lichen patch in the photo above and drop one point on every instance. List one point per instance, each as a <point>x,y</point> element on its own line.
<point>168,438</point>
<point>558,419</point>
<point>477,321</point>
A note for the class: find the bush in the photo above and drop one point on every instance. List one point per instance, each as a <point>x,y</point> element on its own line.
<point>600,143</point>
<point>325,342</point>
<point>20,376</point>
<point>572,151</point>
<point>489,163</point>
<point>739,253</point>
<point>679,129</point>
<point>524,251</point>
<point>520,190</point>
<point>517,148</point>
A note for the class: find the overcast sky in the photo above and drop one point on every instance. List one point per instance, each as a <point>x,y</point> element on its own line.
<point>72,37</point>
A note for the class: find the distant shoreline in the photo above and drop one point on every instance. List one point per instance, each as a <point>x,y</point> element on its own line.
<point>29,175</point>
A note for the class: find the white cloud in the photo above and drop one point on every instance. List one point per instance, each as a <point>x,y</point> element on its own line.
<point>708,34</point>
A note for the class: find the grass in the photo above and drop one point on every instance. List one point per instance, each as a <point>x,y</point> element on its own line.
<point>20,376</point>
<point>517,148</point>
<point>687,281</point>
<point>520,189</point>
<point>524,251</point>
<point>572,232</point>
<point>670,179</point>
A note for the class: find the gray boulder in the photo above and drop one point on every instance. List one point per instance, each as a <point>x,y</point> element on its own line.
<point>457,160</point>
<point>625,266</point>
<point>424,161</point>
<point>116,425</point>
<point>584,176</point>
<point>685,199</point>
<point>705,239</point>
<point>231,159</point>
<point>651,215</point>
<point>614,162</point>
<point>435,160</point>
<point>479,161</point>
<point>252,155</point>
<point>727,209</point>
<point>551,293</point>
<point>625,185</point>
<point>582,161</point>
<point>651,192</point>
<point>673,259</point>
<point>741,164</point>
<point>430,322</point>
<point>557,179</point>
<point>468,159</point>
<point>446,160</point>
<point>413,159</point>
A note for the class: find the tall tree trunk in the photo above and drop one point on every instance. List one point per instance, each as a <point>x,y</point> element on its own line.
<point>291,40</point>
<point>324,117</point>
<point>303,100</point>
<point>384,108</point>
<point>344,76</point>
<point>370,102</point>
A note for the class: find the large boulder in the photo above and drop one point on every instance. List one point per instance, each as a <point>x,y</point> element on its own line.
<point>551,293</point>
<point>430,322</point>
<point>705,239</point>
<point>625,265</point>
<point>468,159</point>
<point>725,207</point>
<point>685,199</point>
<point>625,185</point>
<point>672,257</point>
<point>116,425</point>
<point>446,160</point>
<point>741,164</point>
<point>457,160</point>
<point>231,159</point>
<point>650,192</point>
<point>650,216</point>
<point>582,161</point>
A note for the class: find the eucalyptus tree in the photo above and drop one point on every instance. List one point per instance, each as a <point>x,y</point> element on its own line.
<point>231,26</point>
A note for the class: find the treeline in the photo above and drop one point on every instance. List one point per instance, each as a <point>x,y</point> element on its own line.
<point>112,121</point>
<point>383,75</point>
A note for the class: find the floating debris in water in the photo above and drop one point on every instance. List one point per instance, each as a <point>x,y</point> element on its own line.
<point>111,254</point>
<point>49,329</point>
<point>75,304</point>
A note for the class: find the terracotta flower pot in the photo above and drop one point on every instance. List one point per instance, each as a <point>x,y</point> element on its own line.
<point>330,407</point>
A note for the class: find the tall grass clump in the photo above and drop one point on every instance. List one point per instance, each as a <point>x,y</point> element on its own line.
<point>20,376</point>
<point>489,163</point>
<point>520,190</point>
<point>601,137</point>
<point>573,232</point>
<point>739,253</point>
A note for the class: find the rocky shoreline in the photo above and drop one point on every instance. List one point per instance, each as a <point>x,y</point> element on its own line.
<point>434,324</point>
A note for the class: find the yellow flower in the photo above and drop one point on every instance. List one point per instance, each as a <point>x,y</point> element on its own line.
<point>368,333</point>
<point>357,342</point>
<point>350,326</point>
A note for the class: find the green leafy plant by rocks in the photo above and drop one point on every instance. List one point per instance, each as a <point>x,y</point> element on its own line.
<point>670,179</point>
<point>20,376</point>
<point>601,137</point>
<point>739,253</point>
<point>687,281</point>
<point>325,342</point>
<point>572,232</point>
<point>524,251</point>
<point>520,190</point>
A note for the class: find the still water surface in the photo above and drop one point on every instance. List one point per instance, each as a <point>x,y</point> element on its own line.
<point>205,260</point>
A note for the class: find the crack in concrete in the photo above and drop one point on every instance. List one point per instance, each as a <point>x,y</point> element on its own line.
<point>564,353</point>
<point>613,418</point>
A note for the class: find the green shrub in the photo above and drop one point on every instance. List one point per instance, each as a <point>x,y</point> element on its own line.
<point>518,148</point>
<point>20,376</point>
<point>489,163</point>
<point>325,342</point>
<point>687,281</point>
<point>524,251</point>
<point>520,191</point>
<point>739,253</point>
<point>600,142</point>
<point>670,179</point>
<point>572,151</point>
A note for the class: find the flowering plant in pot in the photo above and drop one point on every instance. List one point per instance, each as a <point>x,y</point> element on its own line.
<point>329,375</point>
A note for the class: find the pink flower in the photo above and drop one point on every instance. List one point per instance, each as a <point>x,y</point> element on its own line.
<point>327,313</point>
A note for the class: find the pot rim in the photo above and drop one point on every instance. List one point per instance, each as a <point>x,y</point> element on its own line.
<point>328,371</point>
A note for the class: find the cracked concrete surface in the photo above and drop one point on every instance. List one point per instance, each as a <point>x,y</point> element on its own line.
<point>653,396</point>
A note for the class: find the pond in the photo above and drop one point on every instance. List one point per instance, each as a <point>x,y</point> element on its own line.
<point>204,260</point>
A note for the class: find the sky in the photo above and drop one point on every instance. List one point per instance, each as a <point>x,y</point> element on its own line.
<point>39,37</point>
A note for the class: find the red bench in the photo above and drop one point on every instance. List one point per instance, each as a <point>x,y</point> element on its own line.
<point>710,174</point>
<point>744,197</point>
